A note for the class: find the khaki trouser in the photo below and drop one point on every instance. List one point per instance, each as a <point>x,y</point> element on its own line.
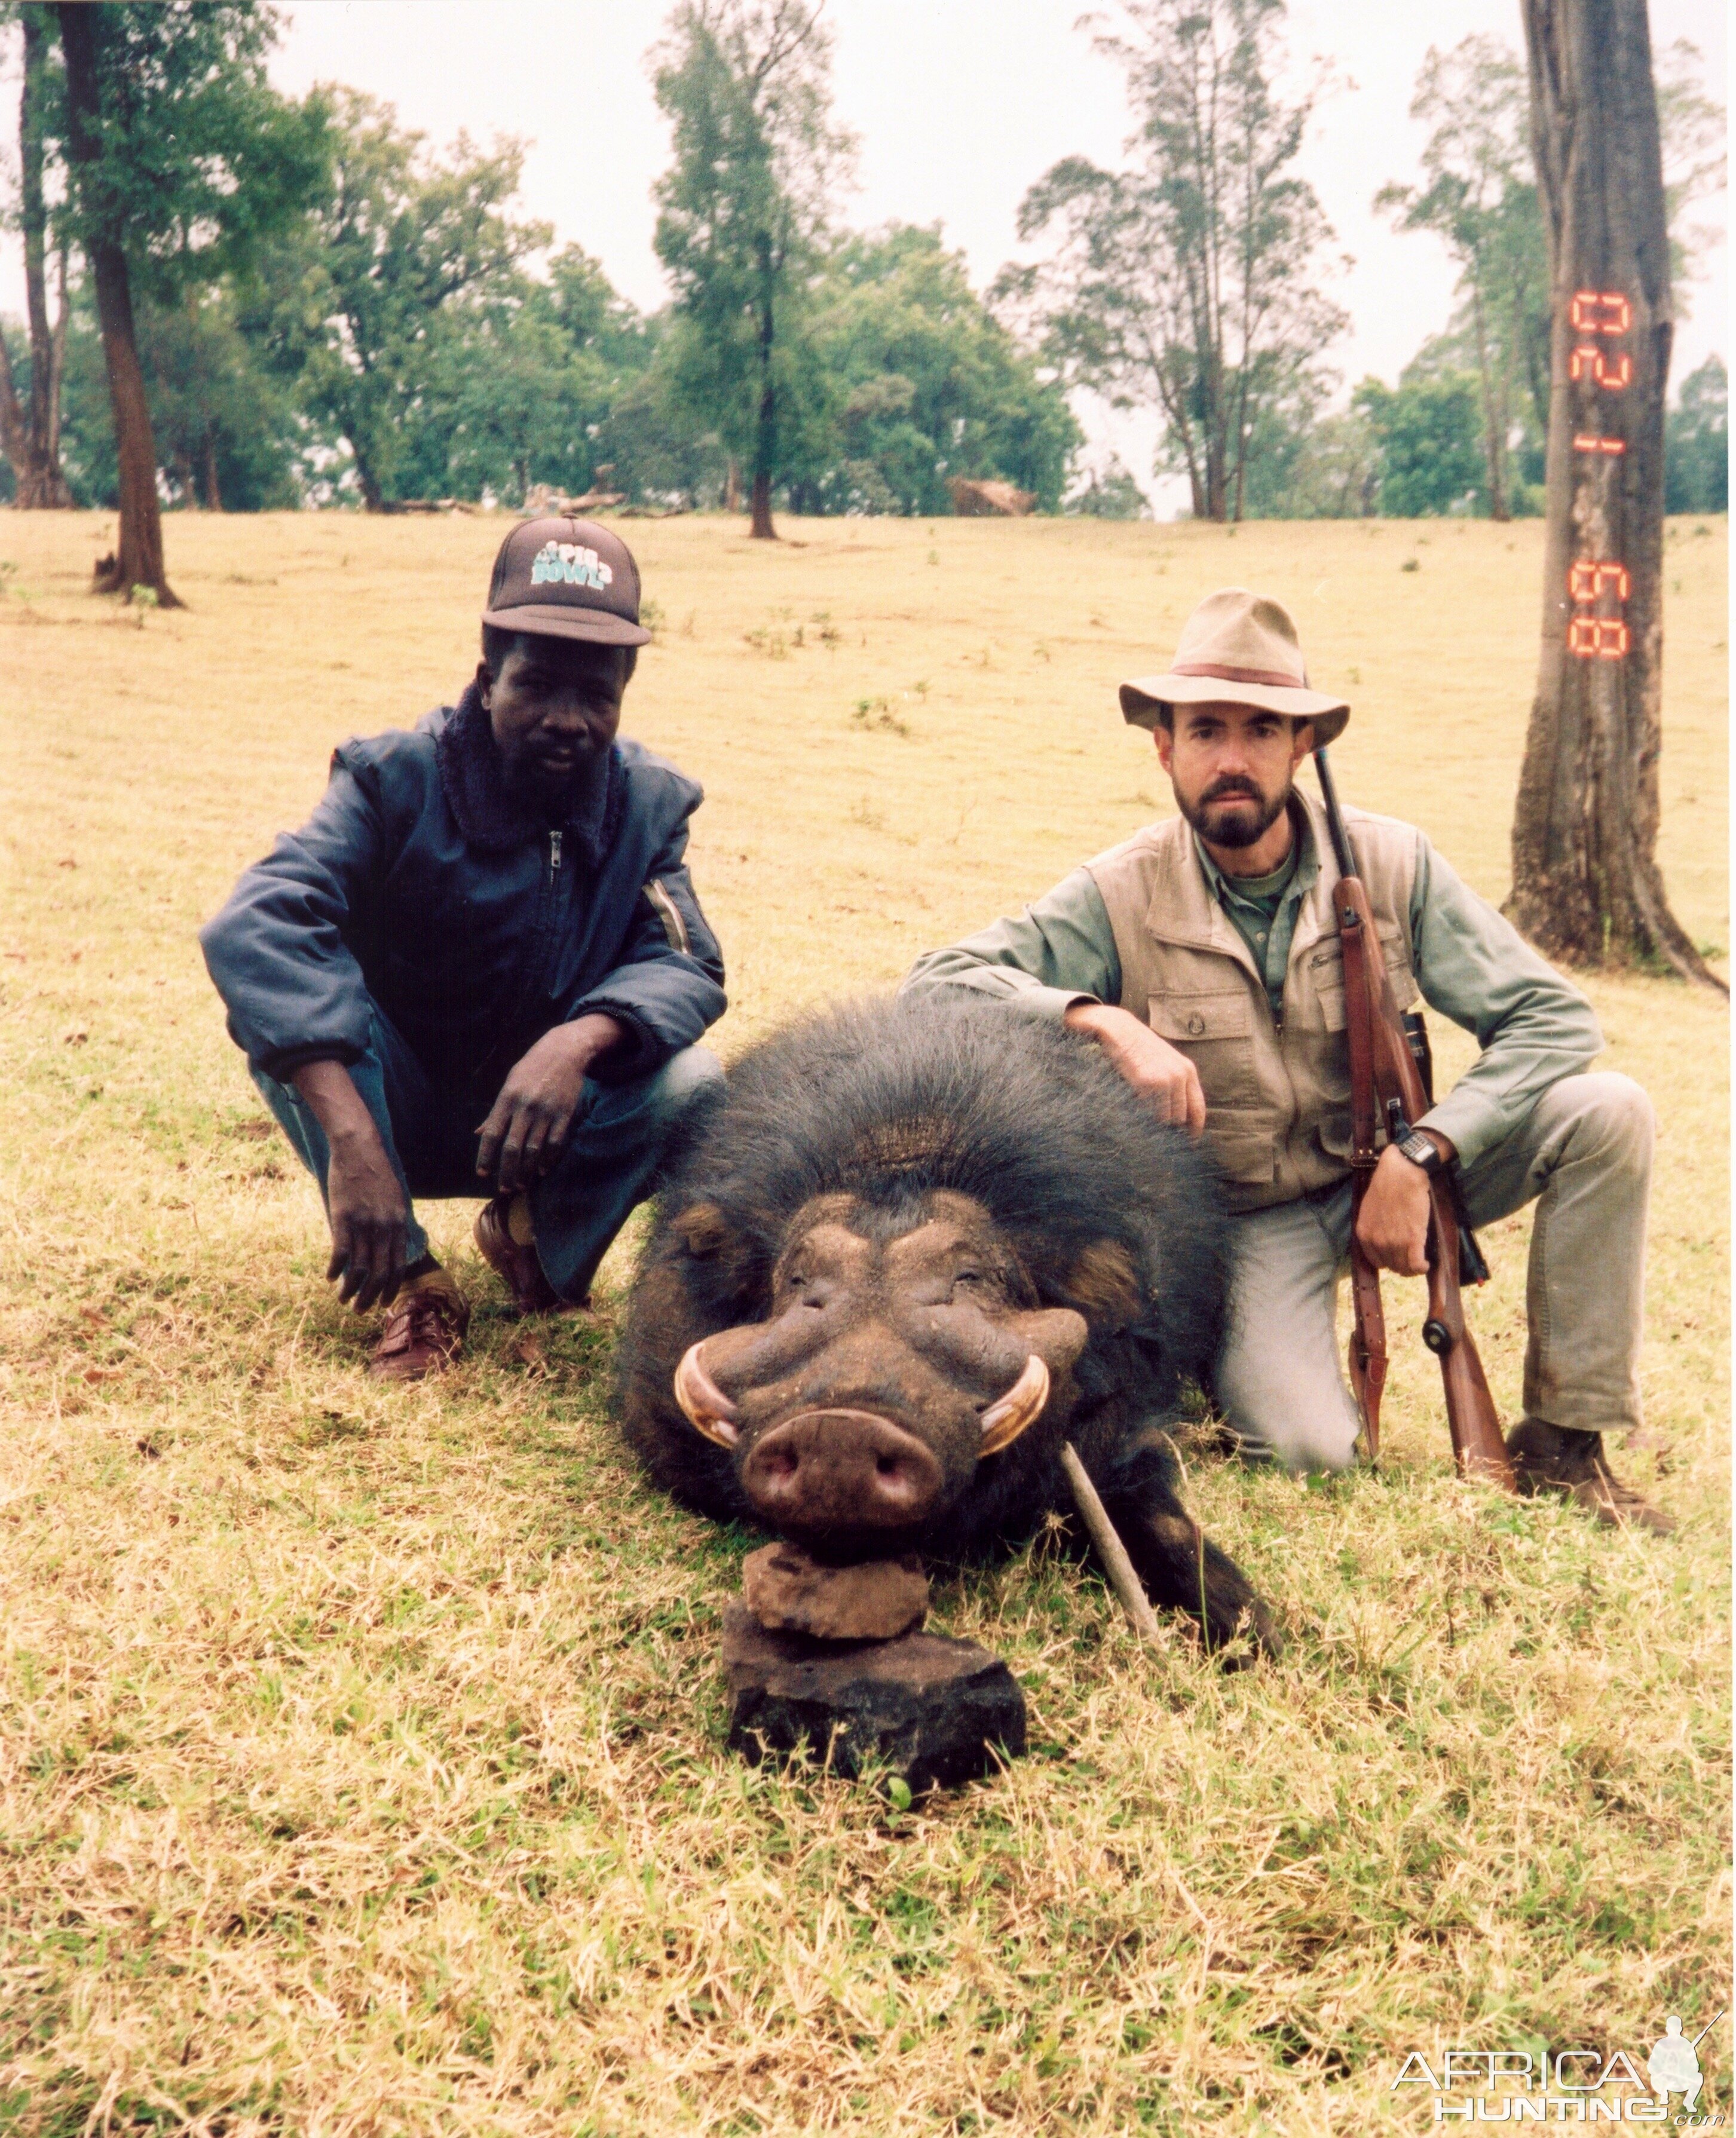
<point>1583,1155</point>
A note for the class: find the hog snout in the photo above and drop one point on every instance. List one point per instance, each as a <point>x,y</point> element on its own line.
<point>840,1470</point>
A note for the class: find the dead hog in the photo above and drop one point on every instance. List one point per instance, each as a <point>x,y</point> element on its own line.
<point>911,1248</point>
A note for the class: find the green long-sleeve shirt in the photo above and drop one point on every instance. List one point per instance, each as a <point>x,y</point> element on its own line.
<point>1532,1025</point>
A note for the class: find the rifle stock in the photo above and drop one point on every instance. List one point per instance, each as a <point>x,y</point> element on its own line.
<point>1385,1081</point>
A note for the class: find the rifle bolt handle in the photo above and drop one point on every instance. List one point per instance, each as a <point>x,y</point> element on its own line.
<point>1438,1337</point>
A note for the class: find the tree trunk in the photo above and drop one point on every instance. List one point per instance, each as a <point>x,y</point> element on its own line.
<point>765,429</point>
<point>374,498</point>
<point>1586,884</point>
<point>213,494</point>
<point>33,436</point>
<point>138,561</point>
<point>731,485</point>
<point>1212,423</point>
<point>761,529</point>
<point>1494,423</point>
<point>14,438</point>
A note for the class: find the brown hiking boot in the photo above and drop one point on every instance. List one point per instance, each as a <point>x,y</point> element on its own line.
<point>424,1330</point>
<point>1550,1458</point>
<point>507,1244</point>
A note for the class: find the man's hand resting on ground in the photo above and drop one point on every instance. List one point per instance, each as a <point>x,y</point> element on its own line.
<point>526,1127</point>
<point>363,1198</point>
<point>1393,1224</point>
<point>1156,1070</point>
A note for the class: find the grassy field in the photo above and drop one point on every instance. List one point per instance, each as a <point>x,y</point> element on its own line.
<point>361,1763</point>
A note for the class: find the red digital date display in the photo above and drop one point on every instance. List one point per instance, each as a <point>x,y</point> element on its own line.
<point>1596,588</point>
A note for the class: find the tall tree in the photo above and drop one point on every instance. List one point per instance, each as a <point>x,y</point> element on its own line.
<point>917,382</point>
<point>527,383</point>
<point>183,164</point>
<point>401,242</point>
<point>744,208</point>
<point>30,428</point>
<point>1481,198</point>
<point>138,558</point>
<point>1474,98</point>
<point>1586,883</point>
<point>1187,279</point>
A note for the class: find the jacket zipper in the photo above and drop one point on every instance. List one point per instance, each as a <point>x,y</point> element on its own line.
<point>537,962</point>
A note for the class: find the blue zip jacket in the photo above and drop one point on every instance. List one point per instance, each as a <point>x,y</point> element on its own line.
<point>422,885</point>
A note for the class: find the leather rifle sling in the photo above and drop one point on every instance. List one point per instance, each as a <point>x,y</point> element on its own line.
<point>1368,1332</point>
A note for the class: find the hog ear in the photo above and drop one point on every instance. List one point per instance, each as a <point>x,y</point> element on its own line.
<point>1103,1284</point>
<point>1052,1337</point>
<point>1055,1334</point>
<point>701,1229</point>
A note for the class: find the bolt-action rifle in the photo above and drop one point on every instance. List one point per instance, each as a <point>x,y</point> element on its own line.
<point>1390,1076</point>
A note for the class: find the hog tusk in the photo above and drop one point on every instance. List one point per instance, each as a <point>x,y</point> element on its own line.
<point>1022,1405</point>
<point>703,1403</point>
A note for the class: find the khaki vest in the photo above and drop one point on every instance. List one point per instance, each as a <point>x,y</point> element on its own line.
<point>1277,1096</point>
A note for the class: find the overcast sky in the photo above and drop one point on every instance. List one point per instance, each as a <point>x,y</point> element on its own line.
<point>959,105</point>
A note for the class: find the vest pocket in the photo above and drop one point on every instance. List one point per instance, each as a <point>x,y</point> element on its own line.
<point>1244,1146</point>
<point>1322,1002</point>
<point>1215,1032</point>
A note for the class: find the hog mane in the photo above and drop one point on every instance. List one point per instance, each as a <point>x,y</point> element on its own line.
<point>888,1100</point>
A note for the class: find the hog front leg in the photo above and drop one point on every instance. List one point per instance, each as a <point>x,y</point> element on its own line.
<point>1182,1569</point>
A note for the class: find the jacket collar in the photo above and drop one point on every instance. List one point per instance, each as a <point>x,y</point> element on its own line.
<point>1183,909</point>
<point>495,819</point>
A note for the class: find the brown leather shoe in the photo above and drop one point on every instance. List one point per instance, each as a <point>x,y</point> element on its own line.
<point>1550,1458</point>
<point>424,1331</point>
<point>506,1242</point>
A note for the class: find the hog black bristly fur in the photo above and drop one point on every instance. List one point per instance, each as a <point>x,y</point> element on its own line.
<point>889,1100</point>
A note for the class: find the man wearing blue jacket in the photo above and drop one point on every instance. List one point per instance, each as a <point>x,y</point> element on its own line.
<point>479,968</point>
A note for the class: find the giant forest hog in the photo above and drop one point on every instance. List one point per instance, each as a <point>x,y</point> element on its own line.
<point>911,1249</point>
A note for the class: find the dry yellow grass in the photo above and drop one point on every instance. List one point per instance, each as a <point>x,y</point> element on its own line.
<point>360,1749</point>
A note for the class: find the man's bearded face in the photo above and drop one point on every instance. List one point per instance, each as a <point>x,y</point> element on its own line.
<point>1232,767</point>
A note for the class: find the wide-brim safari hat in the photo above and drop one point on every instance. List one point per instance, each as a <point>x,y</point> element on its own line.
<point>1241,648</point>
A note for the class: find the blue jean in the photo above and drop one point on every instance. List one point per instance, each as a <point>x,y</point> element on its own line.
<point>609,1165</point>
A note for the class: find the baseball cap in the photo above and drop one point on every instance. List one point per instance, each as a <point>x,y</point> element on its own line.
<point>566,578</point>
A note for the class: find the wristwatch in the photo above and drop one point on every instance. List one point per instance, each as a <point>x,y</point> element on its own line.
<point>1420,1150</point>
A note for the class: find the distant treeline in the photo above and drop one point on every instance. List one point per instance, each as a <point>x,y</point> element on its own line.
<point>551,378</point>
<point>328,310</point>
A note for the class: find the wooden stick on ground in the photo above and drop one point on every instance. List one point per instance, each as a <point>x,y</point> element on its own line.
<point>1110,1549</point>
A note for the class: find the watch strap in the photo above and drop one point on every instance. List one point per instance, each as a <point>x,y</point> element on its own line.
<point>1421,1152</point>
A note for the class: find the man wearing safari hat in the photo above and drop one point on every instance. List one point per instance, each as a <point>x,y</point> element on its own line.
<point>1201,955</point>
<point>479,968</point>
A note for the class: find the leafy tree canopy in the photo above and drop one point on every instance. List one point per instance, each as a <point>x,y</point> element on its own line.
<point>404,244</point>
<point>1697,443</point>
<point>1187,280</point>
<point>743,214</point>
<point>199,163</point>
<point>915,381</point>
<point>1428,436</point>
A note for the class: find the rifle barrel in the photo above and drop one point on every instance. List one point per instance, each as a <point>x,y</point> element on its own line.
<point>1334,816</point>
